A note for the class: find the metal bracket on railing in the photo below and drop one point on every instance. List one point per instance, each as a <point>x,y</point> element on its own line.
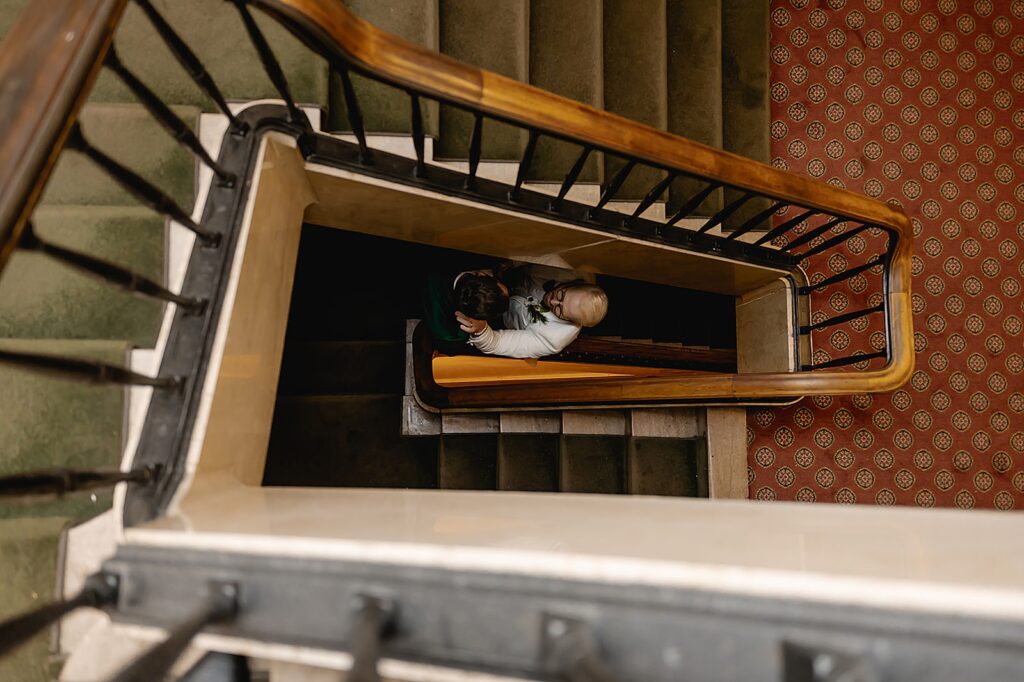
<point>814,664</point>
<point>99,590</point>
<point>569,651</point>
<point>59,482</point>
<point>220,605</point>
<point>373,622</point>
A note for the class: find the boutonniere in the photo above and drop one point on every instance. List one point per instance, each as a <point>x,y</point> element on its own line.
<point>536,311</point>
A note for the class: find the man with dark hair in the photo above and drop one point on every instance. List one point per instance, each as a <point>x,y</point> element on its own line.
<point>547,311</point>
<point>480,296</point>
<point>476,294</point>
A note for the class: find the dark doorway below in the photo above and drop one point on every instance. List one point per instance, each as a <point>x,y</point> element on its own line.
<point>337,420</point>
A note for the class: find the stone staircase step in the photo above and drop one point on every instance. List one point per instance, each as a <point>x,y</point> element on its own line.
<point>746,106</point>
<point>214,30</point>
<point>531,422</point>
<point>494,36</point>
<point>30,551</point>
<point>468,462</point>
<point>347,441</point>
<point>593,464</point>
<point>635,85</point>
<point>694,29</point>
<point>50,422</point>
<point>385,109</point>
<point>127,133</point>
<point>528,462</point>
<point>662,466</point>
<point>566,46</point>
<point>42,298</point>
<point>336,367</point>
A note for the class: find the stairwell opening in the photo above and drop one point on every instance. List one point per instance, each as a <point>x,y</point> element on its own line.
<point>338,415</point>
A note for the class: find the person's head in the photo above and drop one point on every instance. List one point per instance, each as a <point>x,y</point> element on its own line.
<point>582,304</point>
<point>480,296</point>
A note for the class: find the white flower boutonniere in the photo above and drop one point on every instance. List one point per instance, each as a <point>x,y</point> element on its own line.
<point>536,311</point>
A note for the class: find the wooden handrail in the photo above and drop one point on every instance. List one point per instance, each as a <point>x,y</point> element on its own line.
<point>335,32</point>
<point>328,27</point>
<point>55,51</point>
<point>48,61</point>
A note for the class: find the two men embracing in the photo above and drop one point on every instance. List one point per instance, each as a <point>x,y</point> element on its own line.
<point>524,311</point>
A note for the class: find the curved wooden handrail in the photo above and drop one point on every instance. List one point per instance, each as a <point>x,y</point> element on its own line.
<point>55,51</point>
<point>329,28</point>
<point>48,61</point>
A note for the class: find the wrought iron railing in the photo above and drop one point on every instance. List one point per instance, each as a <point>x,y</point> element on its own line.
<point>58,48</point>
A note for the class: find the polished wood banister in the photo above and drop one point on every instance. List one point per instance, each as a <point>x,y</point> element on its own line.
<point>48,61</point>
<point>332,29</point>
<point>329,28</point>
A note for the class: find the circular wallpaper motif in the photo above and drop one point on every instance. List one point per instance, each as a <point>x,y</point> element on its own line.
<point>920,103</point>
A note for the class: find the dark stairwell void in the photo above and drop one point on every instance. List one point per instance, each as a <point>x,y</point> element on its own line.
<point>337,420</point>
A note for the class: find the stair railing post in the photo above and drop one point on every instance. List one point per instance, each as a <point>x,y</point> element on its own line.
<point>220,605</point>
<point>100,589</point>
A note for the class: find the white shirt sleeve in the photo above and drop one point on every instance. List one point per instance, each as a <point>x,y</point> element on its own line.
<point>535,341</point>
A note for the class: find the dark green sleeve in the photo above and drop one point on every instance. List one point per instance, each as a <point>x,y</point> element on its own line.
<point>439,310</point>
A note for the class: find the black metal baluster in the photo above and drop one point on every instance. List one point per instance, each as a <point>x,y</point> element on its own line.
<point>59,482</point>
<point>839,319</point>
<point>691,205</point>
<point>99,590</point>
<point>190,62</point>
<point>756,220</point>
<point>719,217</point>
<point>355,115</point>
<point>524,165</point>
<point>270,63</point>
<point>813,234</point>
<point>219,667</point>
<point>838,239</point>
<point>108,272</point>
<point>653,195</point>
<point>843,276</point>
<point>570,652</point>
<point>84,370</point>
<point>220,606</point>
<point>373,622</point>
<point>613,187</point>
<point>475,144</point>
<point>842,362</point>
<point>140,188</point>
<point>418,142</point>
<point>784,227</point>
<point>167,118</point>
<point>570,179</point>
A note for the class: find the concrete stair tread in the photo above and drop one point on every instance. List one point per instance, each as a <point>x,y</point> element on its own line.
<point>42,298</point>
<point>128,134</point>
<point>468,462</point>
<point>694,29</point>
<point>566,44</point>
<point>635,84</point>
<point>29,559</point>
<point>385,109</point>
<point>746,106</point>
<point>528,462</point>
<point>81,423</point>
<point>663,466</point>
<point>216,33</point>
<point>494,36</point>
<point>593,464</point>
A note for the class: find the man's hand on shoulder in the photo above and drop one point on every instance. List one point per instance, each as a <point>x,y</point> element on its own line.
<point>469,325</point>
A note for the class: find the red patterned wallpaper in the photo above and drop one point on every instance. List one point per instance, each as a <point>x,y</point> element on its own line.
<point>922,102</point>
